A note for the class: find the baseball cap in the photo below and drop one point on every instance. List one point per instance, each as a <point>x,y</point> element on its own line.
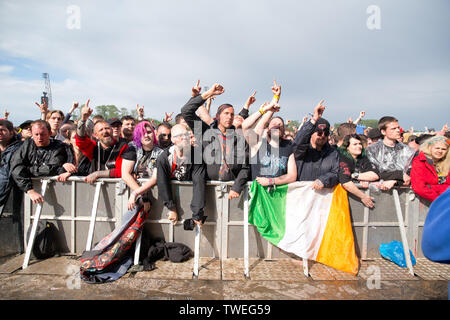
<point>25,124</point>
<point>114,121</point>
<point>374,133</point>
<point>322,125</point>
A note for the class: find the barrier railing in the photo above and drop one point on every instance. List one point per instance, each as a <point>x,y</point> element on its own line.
<point>227,222</point>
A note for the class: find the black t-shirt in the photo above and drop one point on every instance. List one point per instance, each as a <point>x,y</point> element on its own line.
<point>146,162</point>
<point>271,162</point>
<point>180,168</point>
<point>130,153</point>
<point>347,166</point>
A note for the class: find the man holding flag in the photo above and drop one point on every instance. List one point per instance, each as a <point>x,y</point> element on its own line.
<point>316,160</point>
<point>310,217</point>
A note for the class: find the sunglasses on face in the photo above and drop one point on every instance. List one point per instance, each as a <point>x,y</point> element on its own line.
<point>321,133</point>
<point>322,130</point>
<point>184,135</point>
<point>165,135</point>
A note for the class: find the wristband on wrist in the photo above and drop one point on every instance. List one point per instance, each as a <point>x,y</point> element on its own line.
<point>276,97</point>
<point>261,110</point>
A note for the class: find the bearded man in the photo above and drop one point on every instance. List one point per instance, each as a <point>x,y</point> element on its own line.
<point>105,154</point>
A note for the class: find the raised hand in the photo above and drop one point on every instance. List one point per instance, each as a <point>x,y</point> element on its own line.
<point>439,133</point>
<point>195,91</point>
<point>6,114</point>
<point>140,110</point>
<point>43,107</point>
<point>270,106</point>
<point>362,114</point>
<point>276,89</point>
<point>318,110</point>
<point>74,106</point>
<point>86,111</point>
<point>216,89</point>
<point>250,100</point>
<point>168,117</point>
<point>276,107</point>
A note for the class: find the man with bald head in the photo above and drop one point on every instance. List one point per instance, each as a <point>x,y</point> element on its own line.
<point>176,163</point>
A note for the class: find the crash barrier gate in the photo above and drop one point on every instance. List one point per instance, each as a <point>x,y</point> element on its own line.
<point>86,213</point>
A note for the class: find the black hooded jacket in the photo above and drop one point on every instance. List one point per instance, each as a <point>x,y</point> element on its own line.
<point>313,164</point>
<point>5,168</point>
<point>213,142</point>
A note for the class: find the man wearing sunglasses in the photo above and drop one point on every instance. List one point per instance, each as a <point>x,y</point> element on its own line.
<point>163,135</point>
<point>316,160</point>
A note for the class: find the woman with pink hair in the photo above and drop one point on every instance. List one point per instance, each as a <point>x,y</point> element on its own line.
<point>139,161</point>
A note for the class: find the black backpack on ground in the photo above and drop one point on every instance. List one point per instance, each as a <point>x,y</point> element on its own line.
<point>159,249</point>
<point>46,243</point>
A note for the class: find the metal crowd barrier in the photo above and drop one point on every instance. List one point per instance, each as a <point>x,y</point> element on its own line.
<point>86,213</point>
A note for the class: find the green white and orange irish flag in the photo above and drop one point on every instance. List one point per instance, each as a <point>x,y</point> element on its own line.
<point>311,224</point>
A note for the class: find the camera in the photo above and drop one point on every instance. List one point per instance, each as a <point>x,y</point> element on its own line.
<point>44,98</point>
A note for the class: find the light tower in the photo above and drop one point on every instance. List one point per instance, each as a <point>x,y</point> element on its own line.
<point>48,91</point>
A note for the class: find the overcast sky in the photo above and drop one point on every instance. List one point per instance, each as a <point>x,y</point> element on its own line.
<point>152,53</point>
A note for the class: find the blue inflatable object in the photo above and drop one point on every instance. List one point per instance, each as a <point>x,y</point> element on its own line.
<point>436,230</point>
<point>393,251</point>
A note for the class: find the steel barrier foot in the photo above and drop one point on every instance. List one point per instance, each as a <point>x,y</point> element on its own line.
<point>93,216</point>
<point>398,210</point>
<point>305,267</point>
<point>37,215</point>
<point>198,232</point>
<point>246,246</point>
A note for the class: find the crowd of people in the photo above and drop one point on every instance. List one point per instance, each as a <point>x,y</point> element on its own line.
<point>198,146</point>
